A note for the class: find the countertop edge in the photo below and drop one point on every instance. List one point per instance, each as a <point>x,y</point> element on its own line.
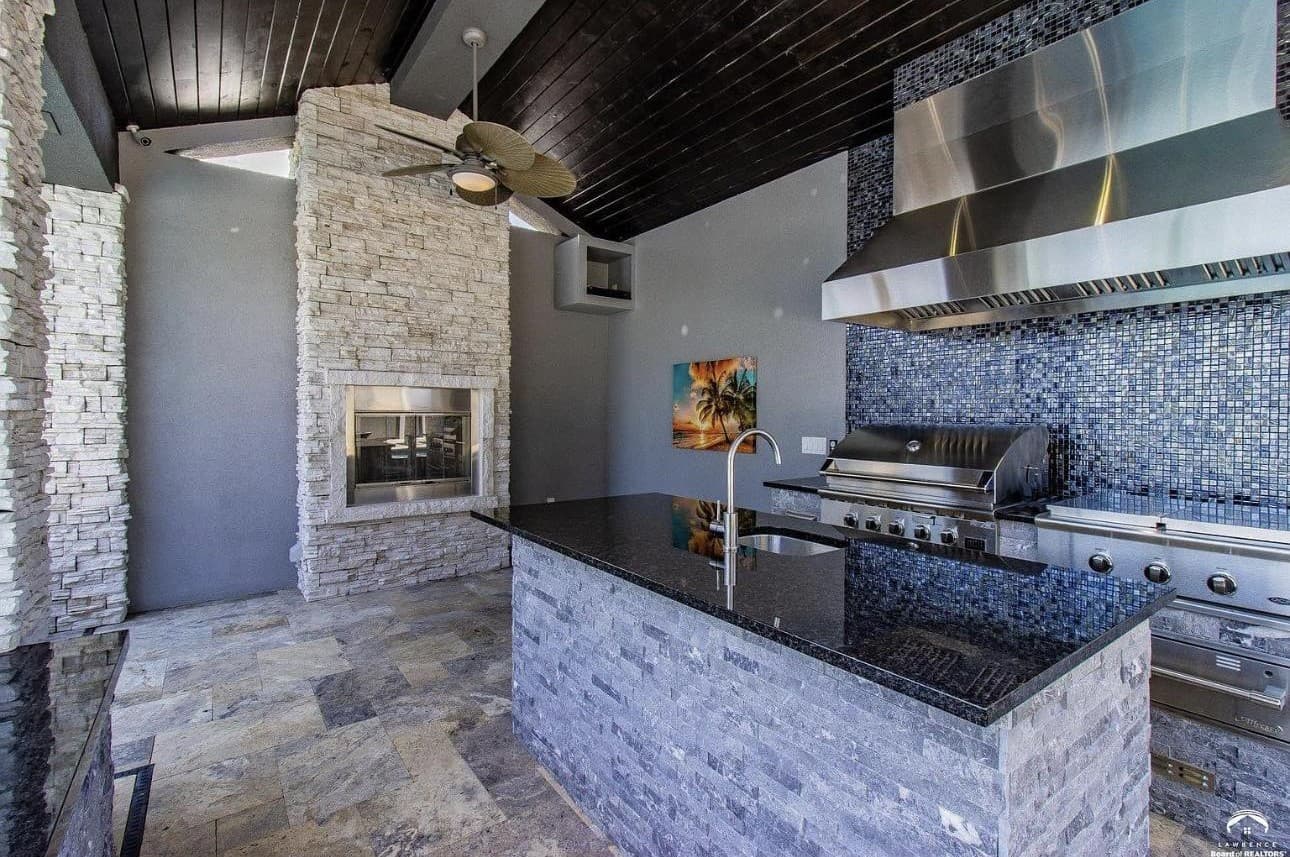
<point>806,484</point>
<point>981,716</point>
<point>101,716</point>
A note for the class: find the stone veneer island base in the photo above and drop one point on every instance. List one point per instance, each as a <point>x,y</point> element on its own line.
<point>681,733</point>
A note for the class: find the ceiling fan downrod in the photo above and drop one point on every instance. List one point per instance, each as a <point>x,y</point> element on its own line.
<point>475,39</point>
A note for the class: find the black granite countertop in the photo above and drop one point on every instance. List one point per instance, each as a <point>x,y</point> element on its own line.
<point>54,701</point>
<point>807,484</point>
<point>973,635</point>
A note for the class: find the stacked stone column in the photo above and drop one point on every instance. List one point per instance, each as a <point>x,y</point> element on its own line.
<point>24,457</point>
<point>85,423</point>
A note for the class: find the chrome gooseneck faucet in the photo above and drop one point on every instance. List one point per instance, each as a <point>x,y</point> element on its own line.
<point>731,519</point>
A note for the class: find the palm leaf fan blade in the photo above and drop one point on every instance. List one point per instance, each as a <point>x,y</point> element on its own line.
<point>546,178</point>
<point>499,144</point>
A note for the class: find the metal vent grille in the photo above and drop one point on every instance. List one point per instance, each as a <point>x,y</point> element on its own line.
<point>1074,295</point>
<point>1254,266</point>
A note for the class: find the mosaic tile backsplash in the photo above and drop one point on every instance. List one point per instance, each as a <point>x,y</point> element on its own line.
<point>1190,398</point>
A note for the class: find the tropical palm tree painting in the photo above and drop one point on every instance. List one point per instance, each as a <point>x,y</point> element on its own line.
<point>712,401</point>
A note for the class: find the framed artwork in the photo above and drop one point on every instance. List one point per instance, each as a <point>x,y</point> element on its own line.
<point>712,402</point>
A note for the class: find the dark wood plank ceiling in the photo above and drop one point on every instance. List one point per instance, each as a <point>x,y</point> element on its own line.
<point>663,107</point>
<point>180,62</point>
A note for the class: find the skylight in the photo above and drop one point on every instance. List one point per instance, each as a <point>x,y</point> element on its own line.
<point>274,162</point>
<point>516,220</point>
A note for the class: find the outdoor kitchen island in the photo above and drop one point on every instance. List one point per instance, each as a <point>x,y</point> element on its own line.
<point>869,700</point>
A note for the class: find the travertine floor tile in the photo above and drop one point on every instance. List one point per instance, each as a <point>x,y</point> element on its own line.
<point>170,711</point>
<point>194,797</point>
<point>501,763</point>
<point>171,838</point>
<point>552,830</point>
<point>207,743</point>
<point>122,792</point>
<point>215,669</point>
<point>132,754</point>
<point>443,801</point>
<point>343,835</point>
<point>252,623</point>
<point>250,825</point>
<point>326,773</point>
<point>301,660</point>
<point>341,700</point>
<point>233,700</point>
<point>140,678</point>
<point>440,647</point>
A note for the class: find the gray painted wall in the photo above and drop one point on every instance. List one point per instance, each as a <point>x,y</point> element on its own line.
<point>82,150</point>
<point>559,376</point>
<point>210,368</point>
<point>740,278</point>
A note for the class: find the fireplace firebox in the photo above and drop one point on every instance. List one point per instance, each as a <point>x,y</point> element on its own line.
<point>411,443</point>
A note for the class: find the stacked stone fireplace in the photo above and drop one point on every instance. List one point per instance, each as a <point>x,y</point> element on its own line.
<point>402,285</point>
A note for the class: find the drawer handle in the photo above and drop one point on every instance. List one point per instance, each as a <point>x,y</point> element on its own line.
<point>1272,697</point>
<point>801,516</point>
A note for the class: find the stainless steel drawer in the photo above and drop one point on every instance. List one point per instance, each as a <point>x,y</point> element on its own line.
<point>1235,690</point>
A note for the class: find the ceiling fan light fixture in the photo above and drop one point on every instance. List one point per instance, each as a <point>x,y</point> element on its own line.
<point>472,178</point>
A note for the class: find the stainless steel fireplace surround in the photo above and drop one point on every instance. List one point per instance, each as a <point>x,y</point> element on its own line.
<point>411,443</point>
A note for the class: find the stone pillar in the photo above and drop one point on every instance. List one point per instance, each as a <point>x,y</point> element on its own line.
<point>85,420</point>
<point>24,552</point>
<point>401,283</point>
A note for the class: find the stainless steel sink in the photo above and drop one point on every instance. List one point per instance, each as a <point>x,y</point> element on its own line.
<point>785,544</point>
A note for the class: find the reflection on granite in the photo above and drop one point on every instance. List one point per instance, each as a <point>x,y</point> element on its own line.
<point>982,632</point>
<point>969,634</point>
<point>692,522</point>
<point>54,700</point>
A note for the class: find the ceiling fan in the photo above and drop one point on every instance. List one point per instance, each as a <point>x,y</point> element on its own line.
<point>492,161</point>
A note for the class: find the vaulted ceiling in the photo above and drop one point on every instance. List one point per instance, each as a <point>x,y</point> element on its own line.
<point>663,107</point>
<point>180,62</point>
<point>660,107</point>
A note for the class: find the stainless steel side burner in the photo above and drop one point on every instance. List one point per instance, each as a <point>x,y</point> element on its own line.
<point>1229,561</point>
<point>1224,553</point>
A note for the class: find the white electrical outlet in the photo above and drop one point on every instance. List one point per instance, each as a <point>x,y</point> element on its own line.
<point>815,446</point>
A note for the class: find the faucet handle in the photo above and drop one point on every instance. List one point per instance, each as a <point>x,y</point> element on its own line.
<point>717,526</point>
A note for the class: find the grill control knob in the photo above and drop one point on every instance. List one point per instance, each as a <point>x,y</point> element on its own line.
<point>1101,563</point>
<point>873,523</point>
<point>948,536</point>
<point>850,519</point>
<point>1221,584</point>
<point>1157,572</point>
<point>922,531</point>
<point>896,528</point>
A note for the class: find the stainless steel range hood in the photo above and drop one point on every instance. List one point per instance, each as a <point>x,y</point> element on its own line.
<point>1141,161</point>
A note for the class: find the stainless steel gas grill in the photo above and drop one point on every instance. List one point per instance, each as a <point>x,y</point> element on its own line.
<point>1229,561</point>
<point>941,484</point>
